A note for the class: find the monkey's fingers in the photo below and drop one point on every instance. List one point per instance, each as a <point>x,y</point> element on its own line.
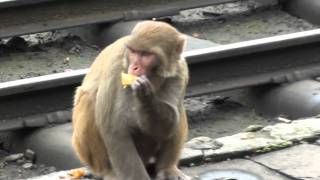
<point>142,87</point>
<point>148,85</point>
<point>136,85</point>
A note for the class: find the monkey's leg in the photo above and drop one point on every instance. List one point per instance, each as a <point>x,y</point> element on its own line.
<point>125,161</point>
<point>168,157</point>
<point>167,161</point>
<point>86,140</point>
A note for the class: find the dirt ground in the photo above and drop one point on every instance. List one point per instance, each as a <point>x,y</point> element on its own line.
<point>214,115</point>
<point>223,114</point>
<point>223,27</point>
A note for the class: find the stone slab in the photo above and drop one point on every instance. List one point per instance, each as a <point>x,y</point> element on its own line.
<point>237,164</point>
<point>191,156</point>
<point>266,139</point>
<point>300,162</point>
<point>196,43</point>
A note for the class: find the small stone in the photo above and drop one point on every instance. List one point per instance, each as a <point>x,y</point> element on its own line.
<point>66,60</point>
<point>253,128</point>
<point>13,157</point>
<point>28,161</point>
<point>50,64</point>
<point>52,169</point>
<point>284,120</point>
<point>18,43</point>
<point>21,161</point>
<point>30,155</point>
<point>27,166</point>
<point>2,165</point>
<point>21,171</point>
<point>203,143</point>
<point>317,142</point>
<point>75,49</point>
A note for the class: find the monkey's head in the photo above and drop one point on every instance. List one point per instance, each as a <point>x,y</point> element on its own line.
<point>154,47</point>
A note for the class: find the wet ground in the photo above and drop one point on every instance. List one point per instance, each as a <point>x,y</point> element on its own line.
<point>215,115</point>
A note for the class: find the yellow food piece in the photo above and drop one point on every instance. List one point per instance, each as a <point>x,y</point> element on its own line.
<point>127,79</point>
<point>77,173</point>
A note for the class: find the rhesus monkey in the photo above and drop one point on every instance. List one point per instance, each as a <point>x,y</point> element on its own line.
<point>117,130</point>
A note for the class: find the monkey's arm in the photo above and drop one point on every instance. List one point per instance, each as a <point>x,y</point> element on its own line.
<point>161,110</point>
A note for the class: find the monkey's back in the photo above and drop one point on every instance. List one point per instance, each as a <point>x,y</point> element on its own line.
<point>86,138</point>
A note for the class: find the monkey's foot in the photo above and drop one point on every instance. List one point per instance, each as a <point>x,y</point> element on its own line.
<point>109,177</point>
<point>171,174</point>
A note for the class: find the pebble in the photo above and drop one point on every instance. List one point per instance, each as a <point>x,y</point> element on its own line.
<point>75,49</point>
<point>18,43</point>
<point>2,165</point>
<point>52,169</point>
<point>317,142</point>
<point>253,128</point>
<point>203,143</point>
<point>27,166</point>
<point>14,157</point>
<point>21,161</point>
<point>30,155</point>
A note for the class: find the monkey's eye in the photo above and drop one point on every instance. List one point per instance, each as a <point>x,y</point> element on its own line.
<point>146,53</point>
<point>131,49</point>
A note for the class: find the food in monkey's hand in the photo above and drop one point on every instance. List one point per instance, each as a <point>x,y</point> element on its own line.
<point>127,79</point>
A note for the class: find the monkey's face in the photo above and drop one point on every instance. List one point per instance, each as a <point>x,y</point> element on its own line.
<point>140,62</point>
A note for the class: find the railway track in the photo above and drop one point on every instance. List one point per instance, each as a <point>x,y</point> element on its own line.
<point>279,59</point>
<point>24,17</point>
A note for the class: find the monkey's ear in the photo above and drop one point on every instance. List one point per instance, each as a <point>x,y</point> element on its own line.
<point>180,44</point>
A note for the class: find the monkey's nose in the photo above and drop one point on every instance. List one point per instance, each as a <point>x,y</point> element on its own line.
<point>135,70</point>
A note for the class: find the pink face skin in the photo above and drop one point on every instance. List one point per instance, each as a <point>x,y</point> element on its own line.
<point>140,62</point>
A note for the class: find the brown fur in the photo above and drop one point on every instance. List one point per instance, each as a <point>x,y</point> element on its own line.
<point>116,133</point>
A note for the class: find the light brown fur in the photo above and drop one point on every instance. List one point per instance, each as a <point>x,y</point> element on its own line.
<point>115,134</point>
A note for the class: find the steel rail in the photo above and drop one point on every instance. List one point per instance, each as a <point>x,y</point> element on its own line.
<point>276,59</point>
<point>15,3</point>
<point>58,14</point>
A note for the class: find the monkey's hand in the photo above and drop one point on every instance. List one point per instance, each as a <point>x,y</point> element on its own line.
<point>142,87</point>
